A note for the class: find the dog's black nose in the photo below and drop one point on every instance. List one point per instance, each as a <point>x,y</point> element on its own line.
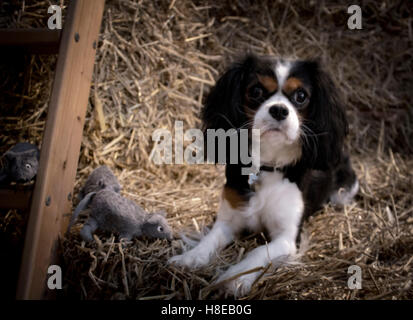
<point>278,112</point>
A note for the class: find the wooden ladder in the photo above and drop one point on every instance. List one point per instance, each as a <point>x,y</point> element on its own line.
<point>51,199</point>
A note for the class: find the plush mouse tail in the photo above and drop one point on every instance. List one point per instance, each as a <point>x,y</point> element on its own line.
<point>80,207</point>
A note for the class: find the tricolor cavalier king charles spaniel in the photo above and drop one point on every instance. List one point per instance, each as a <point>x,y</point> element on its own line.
<point>303,164</point>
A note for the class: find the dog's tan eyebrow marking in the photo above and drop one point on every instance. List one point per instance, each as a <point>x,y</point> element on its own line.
<point>233,197</point>
<point>268,83</point>
<point>292,84</point>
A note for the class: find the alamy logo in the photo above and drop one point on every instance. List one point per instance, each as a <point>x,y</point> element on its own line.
<point>354,21</point>
<point>55,20</point>
<point>240,148</point>
<point>55,277</point>
<point>354,281</point>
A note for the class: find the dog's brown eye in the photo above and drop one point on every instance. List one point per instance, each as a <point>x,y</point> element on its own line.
<point>256,92</point>
<point>300,96</point>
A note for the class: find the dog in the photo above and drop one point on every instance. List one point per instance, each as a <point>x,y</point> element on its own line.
<point>303,164</point>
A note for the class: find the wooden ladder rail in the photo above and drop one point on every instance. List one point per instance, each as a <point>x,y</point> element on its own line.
<point>51,203</point>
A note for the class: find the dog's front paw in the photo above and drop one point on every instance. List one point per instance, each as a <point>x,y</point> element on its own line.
<point>240,285</point>
<point>190,259</point>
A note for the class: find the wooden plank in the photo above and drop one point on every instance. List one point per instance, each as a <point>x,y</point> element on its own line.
<point>16,197</point>
<point>31,40</point>
<point>61,145</point>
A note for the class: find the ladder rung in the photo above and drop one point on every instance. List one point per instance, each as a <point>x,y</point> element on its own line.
<point>32,40</point>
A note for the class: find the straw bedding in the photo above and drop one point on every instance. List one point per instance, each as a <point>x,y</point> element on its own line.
<point>156,61</point>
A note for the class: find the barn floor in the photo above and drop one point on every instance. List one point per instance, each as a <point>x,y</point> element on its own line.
<point>156,61</point>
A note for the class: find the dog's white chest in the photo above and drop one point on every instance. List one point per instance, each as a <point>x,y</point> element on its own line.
<point>276,203</point>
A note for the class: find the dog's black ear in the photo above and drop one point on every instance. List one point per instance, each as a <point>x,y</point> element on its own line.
<point>223,106</point>
<point>223,109</point>
<point>327,120</point>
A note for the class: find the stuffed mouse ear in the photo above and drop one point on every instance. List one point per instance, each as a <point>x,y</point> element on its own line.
<point>155,217</point>
<point>8,157</point>
<point>162,213</point>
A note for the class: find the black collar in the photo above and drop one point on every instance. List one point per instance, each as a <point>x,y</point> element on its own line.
<point>254,178</point>
<point>267,168</point>
<point>272,169</point>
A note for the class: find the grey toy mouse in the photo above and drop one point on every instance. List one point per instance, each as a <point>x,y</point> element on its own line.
<point>20,163</point>
<point>101,178</point>
<point>109,211</point>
